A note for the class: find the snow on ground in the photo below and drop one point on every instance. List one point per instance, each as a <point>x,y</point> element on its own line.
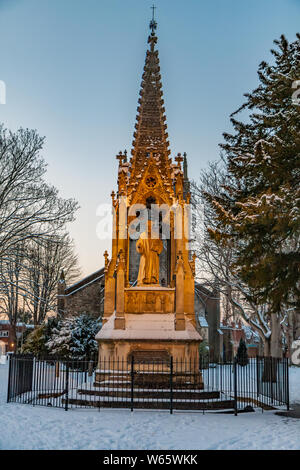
<point>27,427</point>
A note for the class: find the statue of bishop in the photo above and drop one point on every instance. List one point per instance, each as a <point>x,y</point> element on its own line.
<point>150,247</point>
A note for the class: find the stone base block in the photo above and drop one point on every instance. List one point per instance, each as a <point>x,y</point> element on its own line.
<point>179,324</point>
<point>119,323</point>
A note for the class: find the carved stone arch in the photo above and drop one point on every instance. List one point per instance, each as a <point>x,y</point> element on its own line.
<point>146,188</point>
<point>158,196</point>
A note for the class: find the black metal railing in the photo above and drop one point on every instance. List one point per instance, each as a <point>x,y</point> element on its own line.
<point>168,384</point>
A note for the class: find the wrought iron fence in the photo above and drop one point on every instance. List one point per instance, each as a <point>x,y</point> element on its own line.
<point>154,384</point>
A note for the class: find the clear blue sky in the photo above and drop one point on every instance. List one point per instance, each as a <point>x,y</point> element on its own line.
<point>73,71</point>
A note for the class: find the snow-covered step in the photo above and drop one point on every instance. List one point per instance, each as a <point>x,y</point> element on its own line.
<point>155,393</point>
<point>147,381</point>
<point>153,404</point>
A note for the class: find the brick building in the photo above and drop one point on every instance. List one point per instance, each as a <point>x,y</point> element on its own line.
<point>85,296</point>
<point>6,335</point>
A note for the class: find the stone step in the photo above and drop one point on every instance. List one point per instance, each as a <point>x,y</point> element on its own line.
<point>155,394</point>
<point>146,384</point>
<point>140,373</point>
<point>154,404</point>
<point>151,379</point>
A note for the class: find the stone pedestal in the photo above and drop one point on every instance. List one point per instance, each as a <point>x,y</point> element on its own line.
<point>149,337</point>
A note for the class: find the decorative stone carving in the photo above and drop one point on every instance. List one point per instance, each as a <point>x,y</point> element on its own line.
<point>138,300</point>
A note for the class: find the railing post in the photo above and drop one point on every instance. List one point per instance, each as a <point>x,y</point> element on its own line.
<point>85,364</point>
<point>91,367</point>
<point>171,385</point>
<point>235,385</point>
<point>9,377</point>
<point>257,377</point>
<point>132,379</point>
<point>271,378</point>
<point>67,386</point>
<point>287,384</point>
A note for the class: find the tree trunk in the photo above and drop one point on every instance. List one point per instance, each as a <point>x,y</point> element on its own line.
<point>272,345</point>
<point>267,347</point>
<point>272,351</point>
<point>276,347</point>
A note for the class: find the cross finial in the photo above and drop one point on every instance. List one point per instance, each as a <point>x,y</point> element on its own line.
<point>153,8</point>
<point>178,159</point>
<point>153,24</point>
<point>120,157</point>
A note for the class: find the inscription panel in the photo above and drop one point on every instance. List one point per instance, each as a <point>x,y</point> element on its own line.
<point>147,301</point>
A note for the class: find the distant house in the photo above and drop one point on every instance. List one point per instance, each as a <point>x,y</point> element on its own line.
<point>6,335</point>
<point>232,333</point>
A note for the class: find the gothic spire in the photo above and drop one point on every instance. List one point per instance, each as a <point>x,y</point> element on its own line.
<point>150,136</point>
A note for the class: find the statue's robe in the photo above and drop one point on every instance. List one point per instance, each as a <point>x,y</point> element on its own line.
<point>149,249</point>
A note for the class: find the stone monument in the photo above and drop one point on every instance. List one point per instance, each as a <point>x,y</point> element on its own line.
<point>150,276</point>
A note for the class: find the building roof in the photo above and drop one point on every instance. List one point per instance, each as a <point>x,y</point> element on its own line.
<point>202,321</point>
<point>85,281</point>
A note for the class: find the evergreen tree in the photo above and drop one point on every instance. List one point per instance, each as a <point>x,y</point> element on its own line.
<point>75,337</point>
<point>35,342</point>
<point>242,355</point>
<point>259,211</point>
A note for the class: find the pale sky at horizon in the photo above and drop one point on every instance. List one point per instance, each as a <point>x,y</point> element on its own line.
<point>73,70</point>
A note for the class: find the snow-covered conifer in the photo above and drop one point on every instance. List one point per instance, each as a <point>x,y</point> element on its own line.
<point>75,337</point>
